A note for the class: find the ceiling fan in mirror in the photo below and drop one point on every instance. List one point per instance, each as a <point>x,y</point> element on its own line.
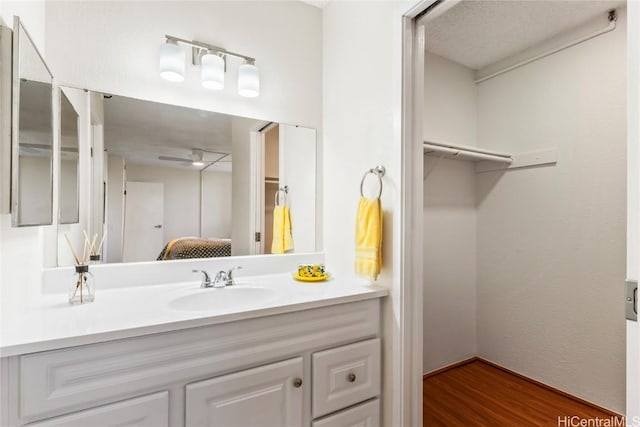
<point>199,157</point>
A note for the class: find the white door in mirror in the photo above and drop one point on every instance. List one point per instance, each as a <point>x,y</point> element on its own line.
<point>144,216</point>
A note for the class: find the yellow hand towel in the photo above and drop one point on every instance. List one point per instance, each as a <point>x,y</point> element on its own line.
<point>282,239</point>
<point>369,238</point>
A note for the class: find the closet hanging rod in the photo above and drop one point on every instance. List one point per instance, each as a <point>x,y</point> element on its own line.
<point>612,17</point>
<point>466,148</point>
<point>465,152</point>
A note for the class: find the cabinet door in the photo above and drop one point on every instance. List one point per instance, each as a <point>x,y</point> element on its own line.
<point>145,411</point>
<point>267,396</point>
<point>364,415</point>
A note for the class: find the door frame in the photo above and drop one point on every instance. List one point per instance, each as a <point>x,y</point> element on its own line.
<point>411,265</point>
<point>257,196</point>
<point>408,348</point>
<point>633,206</point>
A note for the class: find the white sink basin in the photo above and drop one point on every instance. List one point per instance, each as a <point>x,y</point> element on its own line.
<point>230,297</point>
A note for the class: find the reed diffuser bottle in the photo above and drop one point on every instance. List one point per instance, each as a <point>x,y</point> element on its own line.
<point>82,291</point>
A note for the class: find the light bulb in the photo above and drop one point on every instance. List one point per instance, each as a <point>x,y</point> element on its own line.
<point>172,62</point>
<point>248,81</point>
<point>212,72</point>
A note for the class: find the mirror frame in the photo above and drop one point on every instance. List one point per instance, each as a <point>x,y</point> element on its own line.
<point>15,125</point>
<point>60,188</point>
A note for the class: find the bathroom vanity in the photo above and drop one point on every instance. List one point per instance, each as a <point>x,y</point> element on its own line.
<point>298,354</point>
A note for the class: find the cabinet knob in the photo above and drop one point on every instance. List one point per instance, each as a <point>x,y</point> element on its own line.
<point>351,378</point>
<point>297,382</point>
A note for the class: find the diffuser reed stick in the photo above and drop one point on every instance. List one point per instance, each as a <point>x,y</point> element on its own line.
<point>82,290</point>
<point>73,252</point>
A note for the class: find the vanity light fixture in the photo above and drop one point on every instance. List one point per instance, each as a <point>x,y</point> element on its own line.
<point>172,61</point>
<point>248,80</point>
<point>212,72</point>
<point>212,61</point>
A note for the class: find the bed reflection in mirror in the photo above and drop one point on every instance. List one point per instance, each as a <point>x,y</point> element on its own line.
<point>171,182</point>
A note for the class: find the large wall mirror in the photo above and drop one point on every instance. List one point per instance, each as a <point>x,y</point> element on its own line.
<point>69,162</point>
<point>32,134</point>
<point>169,182</point>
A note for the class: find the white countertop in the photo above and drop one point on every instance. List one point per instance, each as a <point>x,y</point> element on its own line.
<point>51,323</point>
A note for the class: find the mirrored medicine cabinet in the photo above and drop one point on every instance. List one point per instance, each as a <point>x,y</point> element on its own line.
<point>32,146</point>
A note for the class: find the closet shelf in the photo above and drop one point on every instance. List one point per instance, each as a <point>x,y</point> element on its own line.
<point>487,161</point>
<point>460,152</point>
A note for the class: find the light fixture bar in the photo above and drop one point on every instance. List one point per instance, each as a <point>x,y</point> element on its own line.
<point>206,46</point>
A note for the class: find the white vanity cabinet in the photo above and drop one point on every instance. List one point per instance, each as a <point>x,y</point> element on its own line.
<point>314,367</point>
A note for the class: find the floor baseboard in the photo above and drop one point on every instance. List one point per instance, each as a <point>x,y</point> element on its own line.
<point>452,366</point>
<point>524,377</point>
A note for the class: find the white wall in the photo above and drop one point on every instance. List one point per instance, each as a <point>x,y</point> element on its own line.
<point>22,248</point>
<point>449,295</point>
<point>181,197</point>
<point>551,258</point>
<point>450,102</point>
<point>362,58</point>
<point>286,46</point>
<point>32,15</point>
<point>216,204</point>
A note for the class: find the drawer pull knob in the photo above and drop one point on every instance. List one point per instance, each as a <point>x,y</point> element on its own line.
<point>297,383</point>
<point>351,378</point>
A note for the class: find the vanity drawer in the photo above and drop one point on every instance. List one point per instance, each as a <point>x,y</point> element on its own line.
<point>344,376</point>
<point>364,415</point>
<point>145,411</point>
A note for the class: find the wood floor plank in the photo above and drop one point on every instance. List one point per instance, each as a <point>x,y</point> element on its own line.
<point>479,394</point>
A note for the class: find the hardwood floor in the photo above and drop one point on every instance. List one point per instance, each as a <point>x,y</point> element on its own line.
<point>478,394</point>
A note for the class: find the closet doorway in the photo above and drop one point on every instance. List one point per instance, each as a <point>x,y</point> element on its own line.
<point>525,195</point>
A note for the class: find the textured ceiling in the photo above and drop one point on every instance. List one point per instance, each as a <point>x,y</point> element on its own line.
<point>478,33</point>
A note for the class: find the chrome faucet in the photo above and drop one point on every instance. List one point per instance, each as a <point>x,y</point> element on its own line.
<point>206,279</point>
<point>225,278</point>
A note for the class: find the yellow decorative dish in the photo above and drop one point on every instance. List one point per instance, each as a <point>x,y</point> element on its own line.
<point>322,278</point>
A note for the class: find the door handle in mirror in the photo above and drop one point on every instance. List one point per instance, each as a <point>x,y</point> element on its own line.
<point>157,226</point>
<point>631,300</point>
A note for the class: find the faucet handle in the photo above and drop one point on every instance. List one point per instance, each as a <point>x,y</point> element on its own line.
<point>230,280</point>
<point>206,280</point>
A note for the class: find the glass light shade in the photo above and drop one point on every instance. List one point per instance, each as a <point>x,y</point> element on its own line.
<point>172,62</point>
<point>248,81</point>
<point>212,73</point>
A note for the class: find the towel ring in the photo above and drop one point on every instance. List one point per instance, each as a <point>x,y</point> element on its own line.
<point>378,171</point>
<point>285,191</point>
